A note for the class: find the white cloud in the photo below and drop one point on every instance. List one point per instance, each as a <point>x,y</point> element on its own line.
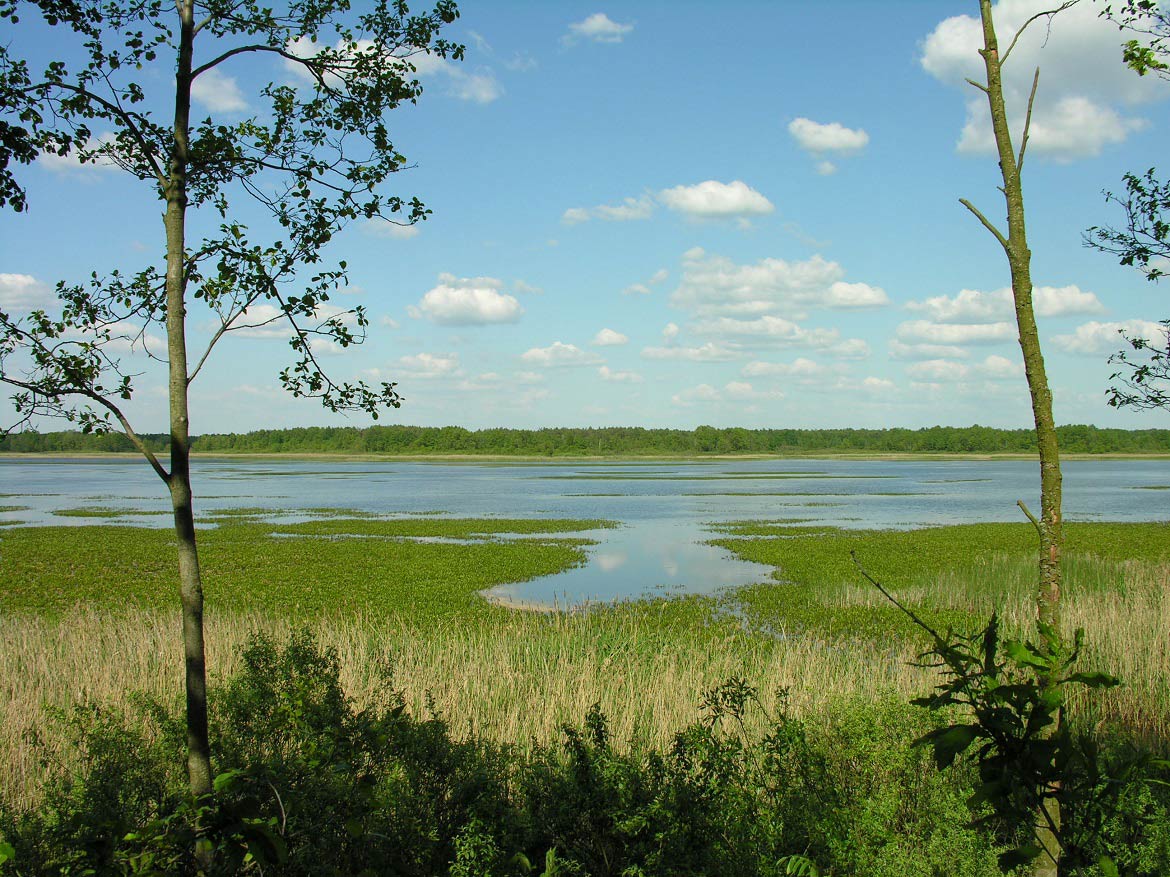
<point>598,28</point>
<point>69,165</point>
<point>767,329</point>
<point>468,301</point>
<point>714,200</point>
<point>21,293</point>
<point>974,306</point>
<point>850,348</point>
<point>558,355</point>
<point>713,285</point>
<point>658,277</point>
<point>831,137</point>
<point>609,338</point>
<point>992,368</point>
<point>382,228</point>
<point>878,385</point>
<point>1059,301</point>
<point>429,365</point>
<point>218,92</point>
<point>1095,339</point>
<point>741,390</point>
<point>709,352</point>
<point>389,322</point>
<point>628,210</point>
<point>900,350</point>
<point>637,289</point>
<point>798,368</point>
<point>955,333</point>
<point>1082,82</point>
<point>480,86</point>
<point>620,377</point>
<point>826,168</point>
<point>855,295</point>
<point>701,393</point>
<point>670,332</point>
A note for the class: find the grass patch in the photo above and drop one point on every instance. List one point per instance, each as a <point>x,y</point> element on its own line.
<point>54,570</point>
<point>13,508</point>
<point>98,511</point>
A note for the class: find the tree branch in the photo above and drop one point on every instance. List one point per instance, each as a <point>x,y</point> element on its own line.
<point>1051,12</point>
<point>1028,121</point>
<point>1003,242</point>
<point>112,408</point>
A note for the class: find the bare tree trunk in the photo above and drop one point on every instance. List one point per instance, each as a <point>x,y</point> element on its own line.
<point>179,481</point>
<point>1019,258</point>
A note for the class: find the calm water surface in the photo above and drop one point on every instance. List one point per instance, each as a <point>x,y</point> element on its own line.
<point>664,507</point>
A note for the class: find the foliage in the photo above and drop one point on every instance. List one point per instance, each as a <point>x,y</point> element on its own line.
<point>1151,21</point>
<point>1034,772</point>
<point>313,160</point>
<point>308,784</point>
<point>612,441</point>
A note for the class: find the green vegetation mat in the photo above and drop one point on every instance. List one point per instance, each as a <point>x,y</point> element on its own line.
<point>247,567</point>
<point>955,574</point>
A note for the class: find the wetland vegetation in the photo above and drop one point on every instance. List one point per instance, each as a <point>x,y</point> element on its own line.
<point>772,718</point>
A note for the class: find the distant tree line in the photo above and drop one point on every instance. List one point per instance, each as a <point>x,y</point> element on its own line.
<point>612,441</point>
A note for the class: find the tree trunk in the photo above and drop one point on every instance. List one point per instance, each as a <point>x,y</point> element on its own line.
<point>1049,523</point>
<point>179,481</point>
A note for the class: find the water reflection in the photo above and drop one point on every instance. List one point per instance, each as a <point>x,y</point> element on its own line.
<point>662,505</point>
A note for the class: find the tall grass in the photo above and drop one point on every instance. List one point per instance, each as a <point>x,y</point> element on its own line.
<point>518,676</point>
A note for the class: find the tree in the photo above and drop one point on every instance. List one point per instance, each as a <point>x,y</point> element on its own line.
<point>1143,241</point>
<point>1019,258</point>
<point>313,161</point>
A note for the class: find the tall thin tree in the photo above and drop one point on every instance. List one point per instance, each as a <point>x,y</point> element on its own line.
<point>313,160</point>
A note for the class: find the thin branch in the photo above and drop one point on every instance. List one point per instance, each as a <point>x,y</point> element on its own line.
<point>1003,242</point>
<point>978,85</point>
<point>1031,517</point>
<point>910,613</point>
<point>1051,12</point>
<point>1028,120</point>
<point>115,109</point>
<point>112,408</point>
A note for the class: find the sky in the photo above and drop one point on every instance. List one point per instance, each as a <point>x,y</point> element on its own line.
<point>677,213</point>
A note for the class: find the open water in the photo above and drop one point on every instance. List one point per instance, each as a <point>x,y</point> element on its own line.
<point>664,507</point>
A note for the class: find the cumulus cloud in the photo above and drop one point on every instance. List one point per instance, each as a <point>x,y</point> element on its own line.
<point>926,331</point>
<point>715,285</point>
<point>467,301</point>
<point>715,200</point>
<point>644,288</point>
<point>817,139</point>
<point>218,92</point>
<point>733,391</point>
<point>800,368</point>
<point>944,371</point>
<point>709,352</point>
<point>1096,339</point>
<point>1083,92</point>
<point>609,374</point>
<point>609,338</point>
<point>670,332</point>
<point>878,385</point>
<point>628,210</point>
<point>480,86</point>
<point>70,164</point>
<point>850,348</point>
<point>901,350</point>
<point>975,306</point>
<point>21,293</point>
<point>597,28</point>
<point>767,329</point>
<point>558,355</point>
<point>701,393</point>
<point>429,365</point>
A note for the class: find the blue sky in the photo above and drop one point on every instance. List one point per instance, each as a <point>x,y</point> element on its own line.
<point>669,214</point>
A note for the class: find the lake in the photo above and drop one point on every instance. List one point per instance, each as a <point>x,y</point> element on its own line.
<point>664,507</point>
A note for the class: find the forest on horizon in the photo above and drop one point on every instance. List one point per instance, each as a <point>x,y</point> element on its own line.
<point>611,441</point>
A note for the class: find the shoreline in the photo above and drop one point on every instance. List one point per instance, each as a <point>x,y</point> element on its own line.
<point>892,456</point>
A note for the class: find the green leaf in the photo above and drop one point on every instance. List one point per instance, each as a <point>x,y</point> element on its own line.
<point>1094,679</point>
<point>7,853</point>
<point>1021,855</point>
<point>1108,866</point>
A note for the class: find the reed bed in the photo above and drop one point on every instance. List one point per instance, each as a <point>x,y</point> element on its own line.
<point>516,680</point>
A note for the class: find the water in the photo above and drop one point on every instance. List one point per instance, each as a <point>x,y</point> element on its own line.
<point>665,507</point>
